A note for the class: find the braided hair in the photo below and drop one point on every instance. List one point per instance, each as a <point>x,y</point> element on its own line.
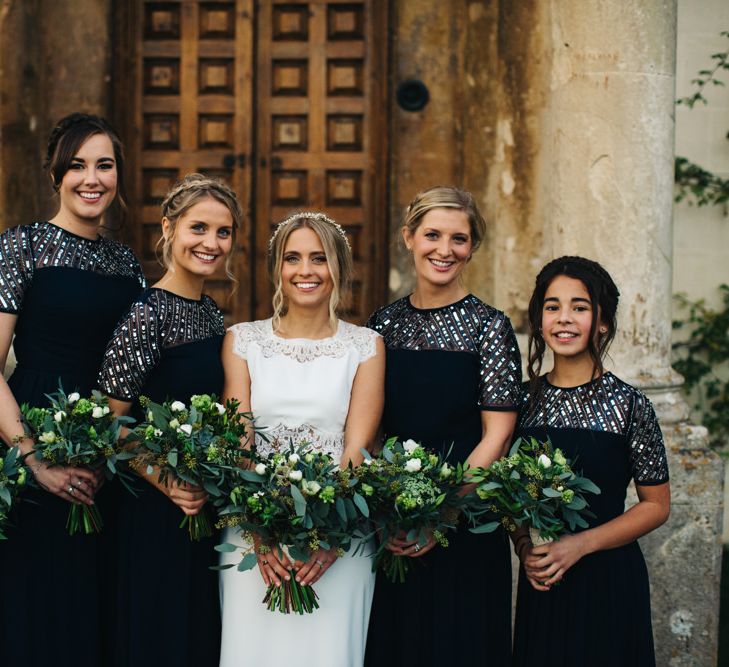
<point>183,195</point>
<point>69,135</point>
<point>603,293</point>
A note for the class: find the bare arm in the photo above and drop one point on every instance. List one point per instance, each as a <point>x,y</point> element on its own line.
<point>365,406</point>
<point>76,485</point>
<point>496,430</point>
<point>548,563</point>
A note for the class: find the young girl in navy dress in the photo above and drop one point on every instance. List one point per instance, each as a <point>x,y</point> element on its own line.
<point>599,614</point>
<point>168,347</point>
<point>452,382</point>
<point>63,288</point>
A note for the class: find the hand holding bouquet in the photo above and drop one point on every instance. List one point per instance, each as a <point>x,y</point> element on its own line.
<point>534,485</point>
<point>13,477</point>
<point>79,433</point>
<point>410,491</point>
<point>200,444</point>
<point>298,499</point>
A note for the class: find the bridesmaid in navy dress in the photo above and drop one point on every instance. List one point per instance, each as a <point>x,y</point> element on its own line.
<point>600,614</point>
<point>452,382</point>
<point>63,288</point>
<point>168,347</point>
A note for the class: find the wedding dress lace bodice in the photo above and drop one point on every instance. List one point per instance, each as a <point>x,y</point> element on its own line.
<point>300,388</point>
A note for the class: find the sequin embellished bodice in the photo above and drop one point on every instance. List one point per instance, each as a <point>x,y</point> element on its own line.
<point>166,346</point>
<point>444,366</point>
<point>607,427</point>
<point>300,388</point>
<point>68,293</point>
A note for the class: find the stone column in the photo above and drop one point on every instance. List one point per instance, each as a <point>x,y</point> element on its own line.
<point>605,183</point>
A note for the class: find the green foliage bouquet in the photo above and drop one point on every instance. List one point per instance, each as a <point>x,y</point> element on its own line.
<point>410,491</point>
<point>300,499</point>
<point>79,432</point>
<point>13,476</point>
<point>201,444</point>
<point>535,486</point>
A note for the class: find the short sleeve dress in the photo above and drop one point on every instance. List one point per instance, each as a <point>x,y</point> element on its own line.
<point>599,615</point>
<point>167,611</point>
<point>300,390</point>
<point>444,367</point>
<point>68,293</point>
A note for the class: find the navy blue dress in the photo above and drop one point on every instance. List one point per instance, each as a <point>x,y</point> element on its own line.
<point>599,615</point>
<point>444,367</point>
<point>168,611</point>
<point>68,293</point>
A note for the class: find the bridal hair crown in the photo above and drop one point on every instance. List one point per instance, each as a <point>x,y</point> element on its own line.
<point>308,215</point>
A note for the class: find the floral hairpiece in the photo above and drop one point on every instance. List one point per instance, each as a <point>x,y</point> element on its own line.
<point>308,215</point>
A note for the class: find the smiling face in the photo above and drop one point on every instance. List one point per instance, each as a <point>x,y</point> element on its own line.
<point>305,277</point>
<point>441,245</point>
<point>202,237</point>
<point>89,186</point>
<point>567,318</point>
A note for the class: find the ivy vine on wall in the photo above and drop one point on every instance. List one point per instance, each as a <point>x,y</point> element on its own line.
<point>702,356</point>
<point>694,184</point>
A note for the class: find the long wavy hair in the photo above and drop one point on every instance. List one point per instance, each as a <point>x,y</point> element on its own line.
<point>338,254</point>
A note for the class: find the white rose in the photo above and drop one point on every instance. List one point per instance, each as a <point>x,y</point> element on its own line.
<point>445,471</point>
<point>106,409</point>
<point>220,408</point>
<point>261,469</point>
<point>186,429</point>
<point>97,413</point>
<point>544,461</point>
<point>48,437</point>
<point>59,416</point>
<point>410,446</point>
<point>310,488</point>
<point>295,475</point>
<point>293,458</point>
<point>177,406</point>
<point>413,465</point>
<point>174,423</point>
<point>72,398</point>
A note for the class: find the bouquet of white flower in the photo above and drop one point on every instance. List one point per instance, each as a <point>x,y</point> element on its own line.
<point>535,486</point>
<point>202,444</point>
<point>76,431</point>
<point>411,492</point>
<point>298,499</point>
<point>13,477</point>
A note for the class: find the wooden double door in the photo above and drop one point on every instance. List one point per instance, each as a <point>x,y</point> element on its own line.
<point>284,100</point>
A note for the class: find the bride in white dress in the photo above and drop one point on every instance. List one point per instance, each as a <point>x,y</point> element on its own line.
<point>305,375</point>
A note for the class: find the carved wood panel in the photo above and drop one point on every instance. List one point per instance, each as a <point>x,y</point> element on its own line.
<point>185,69</point>
<point>305,129</point>
<point>321,138</point>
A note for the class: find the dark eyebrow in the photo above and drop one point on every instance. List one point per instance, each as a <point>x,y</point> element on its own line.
<point>579,299</point>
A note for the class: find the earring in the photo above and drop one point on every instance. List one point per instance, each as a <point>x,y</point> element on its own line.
<point>603,330</point>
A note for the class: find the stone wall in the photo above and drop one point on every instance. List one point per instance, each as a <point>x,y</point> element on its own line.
<point>55,58</point>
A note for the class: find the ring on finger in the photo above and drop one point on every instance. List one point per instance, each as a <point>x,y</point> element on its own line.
<point>320,564</point>
<point>264,562</point>
<point>70,489</point>
<point>416,547</point>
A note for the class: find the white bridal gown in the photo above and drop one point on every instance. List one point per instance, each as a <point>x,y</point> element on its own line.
<point>300,390</point>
